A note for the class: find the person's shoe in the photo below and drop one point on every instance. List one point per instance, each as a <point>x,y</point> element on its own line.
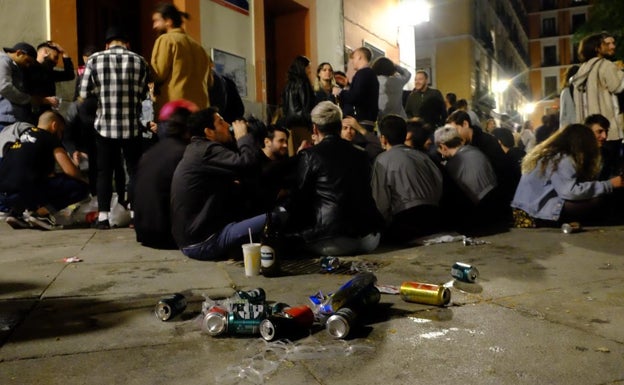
<point>44,222</point>
<point>103,225</point>
<point>18,223</point>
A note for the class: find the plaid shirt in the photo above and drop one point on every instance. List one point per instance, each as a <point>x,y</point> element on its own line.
<point>118,78</point>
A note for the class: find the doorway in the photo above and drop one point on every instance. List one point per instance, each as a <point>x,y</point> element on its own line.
<point>287,34</point>
<point>95,16</point>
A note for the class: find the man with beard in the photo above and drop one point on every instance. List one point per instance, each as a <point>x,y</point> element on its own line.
<point>180,64</point>
<point>277,169</point>
<point>43,76</point>
<point>425,102</point>
<point>15,101</point>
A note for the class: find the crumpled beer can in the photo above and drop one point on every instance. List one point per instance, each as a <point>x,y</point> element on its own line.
<point>330,263</point>
<point>169,307</point>
<point>572,227</point>
<point>464,272</point>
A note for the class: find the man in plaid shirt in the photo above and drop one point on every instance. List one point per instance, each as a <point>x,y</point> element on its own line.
<point>118,78</point>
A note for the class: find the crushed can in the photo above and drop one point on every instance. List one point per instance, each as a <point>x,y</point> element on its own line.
<point>330,263</point>
<point>340,324</point>
<point>256,296</point>
<point>464,272</point>
<point>215,321</point>
<point>352,292</point>
<point>169,307</point>
<point>425,293</point>
<point>572,227</point>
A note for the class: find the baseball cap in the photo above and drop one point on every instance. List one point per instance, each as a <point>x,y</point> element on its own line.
<point>27,48</point>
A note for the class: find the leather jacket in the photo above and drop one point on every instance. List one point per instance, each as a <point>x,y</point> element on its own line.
<point>333,195</point>
<point>298,101</point>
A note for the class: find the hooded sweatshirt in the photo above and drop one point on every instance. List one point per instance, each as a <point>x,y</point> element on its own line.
<point>595,86</point>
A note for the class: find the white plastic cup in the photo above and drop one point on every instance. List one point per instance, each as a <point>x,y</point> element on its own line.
<point>251,258</point>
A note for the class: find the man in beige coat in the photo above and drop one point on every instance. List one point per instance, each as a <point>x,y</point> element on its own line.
<point>595,87</point>
<point>179,63</point>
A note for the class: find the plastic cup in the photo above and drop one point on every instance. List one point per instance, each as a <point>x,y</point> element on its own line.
<point>251,258</point>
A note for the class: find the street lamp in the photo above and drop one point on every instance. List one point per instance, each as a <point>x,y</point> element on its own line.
<point>413,12</point>
<point>500,86</point>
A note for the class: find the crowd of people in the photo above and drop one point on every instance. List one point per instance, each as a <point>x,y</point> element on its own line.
<point>348,163</point>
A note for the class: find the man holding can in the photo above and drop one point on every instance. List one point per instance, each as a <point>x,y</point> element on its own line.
<point>205,190</point>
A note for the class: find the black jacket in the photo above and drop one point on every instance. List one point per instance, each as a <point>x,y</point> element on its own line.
<point>333,196</point>
<point>205,193</point>
<point>152,214</point>
<point>298,101</point>
<point>361,100</point>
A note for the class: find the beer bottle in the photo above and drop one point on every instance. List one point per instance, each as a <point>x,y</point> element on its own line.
<point>268,251</point>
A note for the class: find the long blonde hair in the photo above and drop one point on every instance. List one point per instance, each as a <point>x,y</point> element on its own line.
<point>577,141</point>
<point>317,81</point>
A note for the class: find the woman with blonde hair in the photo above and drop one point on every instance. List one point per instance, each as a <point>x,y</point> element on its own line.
<point>324,83</point>
<point>558,182</point>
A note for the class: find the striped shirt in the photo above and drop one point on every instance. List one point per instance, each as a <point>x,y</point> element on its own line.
<point>118,78</point>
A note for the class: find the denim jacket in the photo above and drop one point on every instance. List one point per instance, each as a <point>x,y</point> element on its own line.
<point>543,196</point>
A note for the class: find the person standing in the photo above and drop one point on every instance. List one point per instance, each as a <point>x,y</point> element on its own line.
<point>180,64</point>
<point>43,76</point>
<point>298,100</point>
<point>596,84</point>
<point>426,102</point>
<point>567,111</point>
<point>14,100</point>
<point>324,84</point>
<point>392,77</point>
<point>117,77</point>
<point>361,99</point>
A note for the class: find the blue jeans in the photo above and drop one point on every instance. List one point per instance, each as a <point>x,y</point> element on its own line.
<point>232,235</point>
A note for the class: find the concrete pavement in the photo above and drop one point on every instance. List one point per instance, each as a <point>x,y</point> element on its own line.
<point>547,309</point>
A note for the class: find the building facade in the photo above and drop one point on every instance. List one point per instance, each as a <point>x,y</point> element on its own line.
<point>478,49</point>
<point>551,26</point>
<point>254,40</point>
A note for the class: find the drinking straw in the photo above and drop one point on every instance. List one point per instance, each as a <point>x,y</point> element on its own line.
<point>250,239</point>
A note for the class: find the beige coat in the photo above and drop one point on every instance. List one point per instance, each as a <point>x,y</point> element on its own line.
<point>603,81</point>
<point>180,66</point>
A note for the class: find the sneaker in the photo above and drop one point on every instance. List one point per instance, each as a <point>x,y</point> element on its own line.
<point>18,223</point>
<point>103,225</point>
<point>44,222</point>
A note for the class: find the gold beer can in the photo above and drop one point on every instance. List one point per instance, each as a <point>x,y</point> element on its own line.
<point>425,293</point>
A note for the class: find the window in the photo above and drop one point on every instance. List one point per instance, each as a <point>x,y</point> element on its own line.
<point>549,26</point>
<point>550,86</point>
<point>550,56</point>
<point>376,51</point>
<point>577,21</point>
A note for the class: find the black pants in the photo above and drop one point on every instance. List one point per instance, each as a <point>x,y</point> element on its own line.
<point>109,152</point>
<point>58,191</point>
